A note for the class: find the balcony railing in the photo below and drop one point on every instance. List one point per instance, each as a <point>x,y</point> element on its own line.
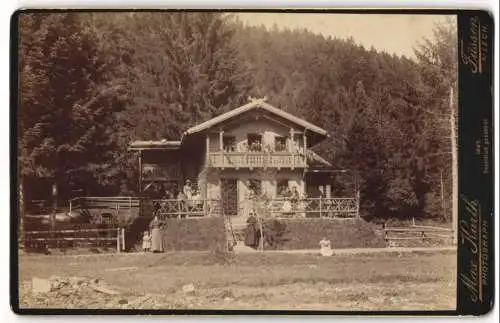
<point>315,208</point>
<point>176,208</point>
<point>275,208</point>
<point>256,160</point>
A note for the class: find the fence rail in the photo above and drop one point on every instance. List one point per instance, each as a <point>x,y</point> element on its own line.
<point>176,208</point>
<point>314,208</point>
<point>417,233</point>
<point>104,209</point>
<point>65,239</point>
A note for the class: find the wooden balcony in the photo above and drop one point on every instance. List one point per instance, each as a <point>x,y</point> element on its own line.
<point>252,160</point>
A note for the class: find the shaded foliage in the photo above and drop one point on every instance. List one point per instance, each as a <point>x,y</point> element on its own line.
<point>91,83</point>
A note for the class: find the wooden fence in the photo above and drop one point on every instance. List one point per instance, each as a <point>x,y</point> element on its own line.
<point>105,209</point>
<point>417,233</point>
<point>113,238</point>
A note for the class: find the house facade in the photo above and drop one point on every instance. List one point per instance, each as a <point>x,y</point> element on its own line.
<point>254,147</point>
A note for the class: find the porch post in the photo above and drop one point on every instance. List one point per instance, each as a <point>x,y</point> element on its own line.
<point>305,143</point>
<point>328,191</point>
<point>290,146</point>
<point>221,139</point>
<point>207,143</point>
<point>140,172</point>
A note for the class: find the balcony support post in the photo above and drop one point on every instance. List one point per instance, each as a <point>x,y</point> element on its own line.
<point>207,143</point>
<point>139,159</point>
<point>221,140</point>
<point>305,147</point>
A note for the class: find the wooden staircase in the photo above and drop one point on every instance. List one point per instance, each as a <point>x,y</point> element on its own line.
<point>235,233</point>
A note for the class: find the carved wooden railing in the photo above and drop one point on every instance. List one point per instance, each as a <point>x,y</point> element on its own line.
<point>256,160</point>
<point>177,208</point>
<point>314,208</point>
<point>198,207</point>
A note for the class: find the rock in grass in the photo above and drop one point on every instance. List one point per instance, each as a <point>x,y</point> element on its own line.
<point>104,290</point>
<point>40,285</point>
<point>188,289</point>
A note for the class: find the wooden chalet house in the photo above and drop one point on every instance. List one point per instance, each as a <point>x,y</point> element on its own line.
<point>256,146</point>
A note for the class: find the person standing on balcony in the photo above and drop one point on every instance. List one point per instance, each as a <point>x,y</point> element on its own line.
<point>188,190</point>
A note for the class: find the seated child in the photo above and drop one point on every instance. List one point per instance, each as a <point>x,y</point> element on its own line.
<point>325,246</point>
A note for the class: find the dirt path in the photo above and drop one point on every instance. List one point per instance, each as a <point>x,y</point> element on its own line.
<point>357,251</point>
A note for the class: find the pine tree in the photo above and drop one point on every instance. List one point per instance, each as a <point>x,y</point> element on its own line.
<point>66,101</point>
<point>189,75</point>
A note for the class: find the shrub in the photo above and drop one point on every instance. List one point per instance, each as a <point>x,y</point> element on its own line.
<point>275,234</point>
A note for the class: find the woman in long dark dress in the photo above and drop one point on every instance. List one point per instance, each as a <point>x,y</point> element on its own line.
<point>156,235</point>
<point>251,238</point>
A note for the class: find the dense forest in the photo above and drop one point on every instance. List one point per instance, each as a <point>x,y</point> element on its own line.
<point>89,83</point>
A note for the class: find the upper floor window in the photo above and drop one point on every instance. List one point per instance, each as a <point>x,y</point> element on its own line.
<point>254,142</point>
<point>229,143</point>
<point>280,144</point>
<point>297,142</point>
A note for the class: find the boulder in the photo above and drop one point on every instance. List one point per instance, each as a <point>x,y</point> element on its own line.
<point>40,285</point>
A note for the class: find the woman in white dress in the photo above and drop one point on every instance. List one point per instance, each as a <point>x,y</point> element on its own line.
<point>249,202</point>
<point>286,208</point>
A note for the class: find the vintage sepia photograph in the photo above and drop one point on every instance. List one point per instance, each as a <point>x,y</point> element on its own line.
<point>197,160</point>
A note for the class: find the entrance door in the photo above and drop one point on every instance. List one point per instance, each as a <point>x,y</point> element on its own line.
<point>229,195</point>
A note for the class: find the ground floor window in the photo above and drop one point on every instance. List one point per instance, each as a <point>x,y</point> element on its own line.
<point>255,185</point>
<point>282,187</point>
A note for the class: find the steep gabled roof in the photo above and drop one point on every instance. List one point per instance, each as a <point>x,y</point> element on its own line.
<point>255,104</point>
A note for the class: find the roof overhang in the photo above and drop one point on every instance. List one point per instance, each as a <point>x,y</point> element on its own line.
<point>326,169</point>
<point>154,145</point>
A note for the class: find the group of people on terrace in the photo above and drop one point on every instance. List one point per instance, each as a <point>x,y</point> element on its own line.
<point>291,200</point>
<point>257,145</point>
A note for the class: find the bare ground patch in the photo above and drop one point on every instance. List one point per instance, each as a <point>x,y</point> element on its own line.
<point>252,281</point>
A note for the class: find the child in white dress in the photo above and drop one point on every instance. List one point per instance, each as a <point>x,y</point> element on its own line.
<point>325,247</point>
<point>146,241</point>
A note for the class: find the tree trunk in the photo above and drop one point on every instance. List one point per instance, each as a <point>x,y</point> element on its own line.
<point>443,203</point>
<point>454,170</point>
<point>261,240</point>
<point>54,205</point>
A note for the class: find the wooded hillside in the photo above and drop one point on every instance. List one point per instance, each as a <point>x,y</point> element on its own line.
<point>92,82</point>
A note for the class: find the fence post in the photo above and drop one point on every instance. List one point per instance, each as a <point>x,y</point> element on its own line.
<point>357,203</point>
<point>320,207</point>
<point>123,239</point>
<point>118,240</point>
